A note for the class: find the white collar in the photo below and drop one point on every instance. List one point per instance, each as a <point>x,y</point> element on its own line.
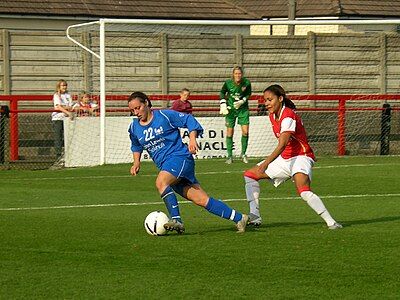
<point>280,114</point>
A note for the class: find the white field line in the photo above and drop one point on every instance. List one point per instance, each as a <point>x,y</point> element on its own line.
<point>184,202</point>
<point>197,173</point>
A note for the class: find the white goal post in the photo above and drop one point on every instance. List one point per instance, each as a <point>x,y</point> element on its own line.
<point>99,51</point>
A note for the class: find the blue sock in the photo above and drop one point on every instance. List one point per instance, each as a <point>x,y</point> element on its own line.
<point>220,209</point>
<point>171,203</point>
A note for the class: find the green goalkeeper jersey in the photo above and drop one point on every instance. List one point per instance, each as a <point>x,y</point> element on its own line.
<point>233,92</point>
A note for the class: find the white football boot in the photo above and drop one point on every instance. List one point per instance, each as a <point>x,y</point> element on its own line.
<point>335,226</point>
<point>254,220</point>
<point>172,225</point>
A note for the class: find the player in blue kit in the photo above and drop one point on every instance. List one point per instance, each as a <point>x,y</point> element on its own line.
<point>157,132</point>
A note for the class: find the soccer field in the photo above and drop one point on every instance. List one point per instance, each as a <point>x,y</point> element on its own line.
<point>78,233</point>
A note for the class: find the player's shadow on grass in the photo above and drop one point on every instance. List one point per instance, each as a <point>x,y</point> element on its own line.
<point>264,227</point>
<point>288,224</point>
<point>371,221</point>
<point>196,231</point>
<point>345,223</point>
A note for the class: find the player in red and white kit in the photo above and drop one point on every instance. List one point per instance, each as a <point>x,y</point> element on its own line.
<point>292,158</point>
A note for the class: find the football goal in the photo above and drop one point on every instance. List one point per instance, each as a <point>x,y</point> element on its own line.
<point>338,80</point>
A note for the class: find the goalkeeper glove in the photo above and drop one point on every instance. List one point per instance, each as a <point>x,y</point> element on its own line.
<point>239,103</point>
<point>223,109</point>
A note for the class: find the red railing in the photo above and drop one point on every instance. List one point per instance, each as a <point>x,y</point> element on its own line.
<point>341,109</point>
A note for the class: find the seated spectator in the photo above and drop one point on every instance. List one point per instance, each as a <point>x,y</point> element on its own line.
<point>183,104</point>
<point>86,107</point>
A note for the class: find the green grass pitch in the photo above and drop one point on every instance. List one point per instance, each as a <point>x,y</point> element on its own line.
<point>78,233</point>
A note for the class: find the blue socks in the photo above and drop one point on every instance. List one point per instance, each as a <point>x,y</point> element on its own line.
<point>216,207</point>
<point>220,209</point>
<point>171,203</point>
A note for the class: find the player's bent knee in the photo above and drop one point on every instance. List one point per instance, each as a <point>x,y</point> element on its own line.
<point>161,186</point>
<point>251,175</point>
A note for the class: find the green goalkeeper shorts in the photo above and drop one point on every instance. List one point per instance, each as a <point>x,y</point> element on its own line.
<point>242,116</point>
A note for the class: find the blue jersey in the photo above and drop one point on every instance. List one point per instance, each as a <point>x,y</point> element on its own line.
<point>161,138</point>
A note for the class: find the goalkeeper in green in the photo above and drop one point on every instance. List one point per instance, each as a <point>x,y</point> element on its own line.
<point>234,104</point>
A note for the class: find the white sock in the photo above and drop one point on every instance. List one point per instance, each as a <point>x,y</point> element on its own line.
<point>253,193</point>
<point>318,206</point>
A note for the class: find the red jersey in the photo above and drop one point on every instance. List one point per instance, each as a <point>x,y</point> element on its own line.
<point>289,121</point>
<point>182,106</point>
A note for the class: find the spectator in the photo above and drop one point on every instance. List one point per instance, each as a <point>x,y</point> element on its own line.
<point>183,104</point>
<point>63,108</point>
<point>85,107</point>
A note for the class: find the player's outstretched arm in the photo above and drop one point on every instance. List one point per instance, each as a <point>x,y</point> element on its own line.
<point>136,163</point>
<point>193,147</point>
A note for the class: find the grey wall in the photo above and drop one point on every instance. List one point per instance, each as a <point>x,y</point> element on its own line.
<point>32,62</point>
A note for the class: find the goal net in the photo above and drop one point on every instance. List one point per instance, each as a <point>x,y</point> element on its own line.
<point>334,79</point>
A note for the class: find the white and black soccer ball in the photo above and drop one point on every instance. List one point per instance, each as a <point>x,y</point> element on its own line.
<point>154,223</point>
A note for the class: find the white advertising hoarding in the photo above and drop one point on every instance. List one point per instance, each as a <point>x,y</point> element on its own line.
<point>82,140</point>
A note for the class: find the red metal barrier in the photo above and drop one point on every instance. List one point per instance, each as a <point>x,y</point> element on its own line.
<point>341,148</point>
<point>13,130</point>
<point>341,109</point>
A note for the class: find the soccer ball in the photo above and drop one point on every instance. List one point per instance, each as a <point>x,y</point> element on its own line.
<point>154,223</point>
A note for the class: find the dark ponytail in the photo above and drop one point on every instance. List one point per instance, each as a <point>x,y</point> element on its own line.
<point>278,91</point>
<point>142,97</point>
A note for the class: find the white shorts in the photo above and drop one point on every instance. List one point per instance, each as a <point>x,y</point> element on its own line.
<point>282,169</point>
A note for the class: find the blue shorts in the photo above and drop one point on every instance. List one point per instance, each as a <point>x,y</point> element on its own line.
<point>183,169</point>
